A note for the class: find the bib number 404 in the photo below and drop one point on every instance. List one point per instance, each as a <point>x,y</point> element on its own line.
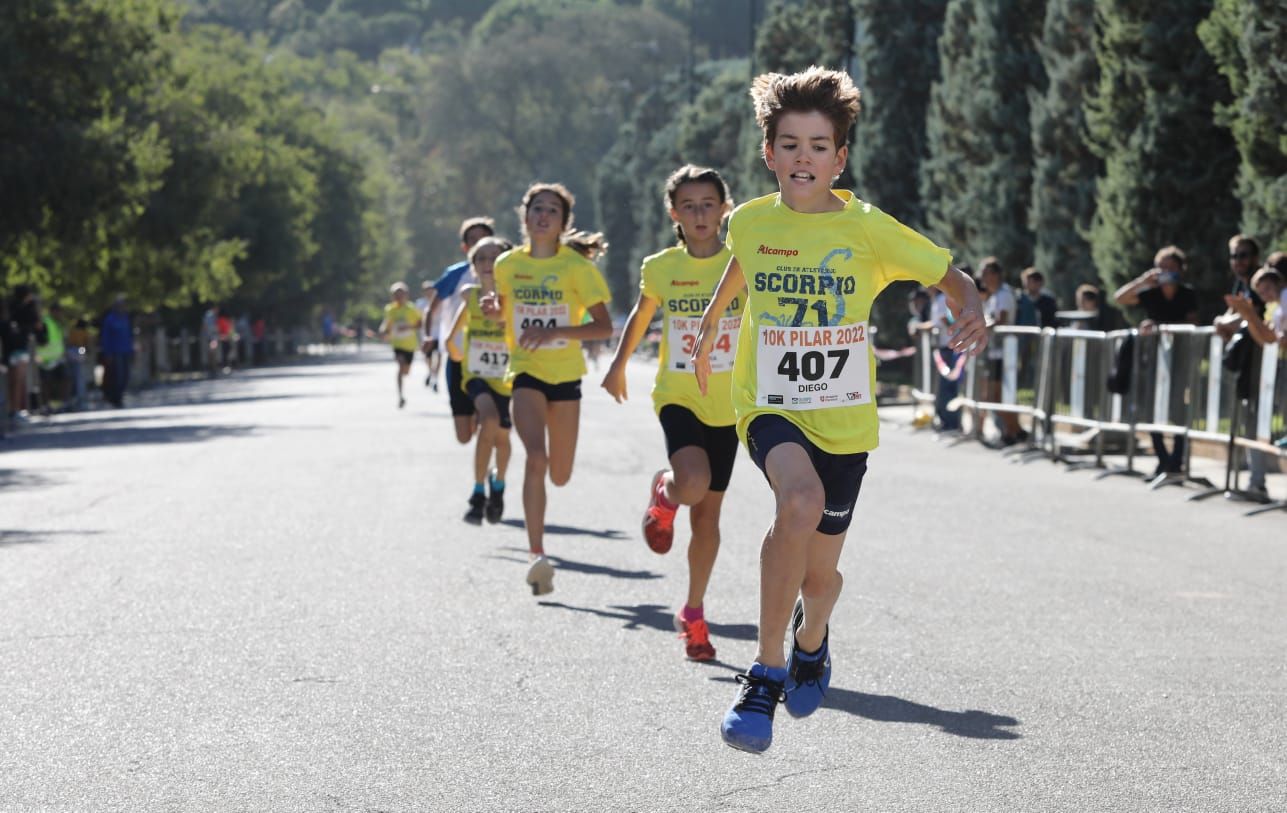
<point>812,365</point>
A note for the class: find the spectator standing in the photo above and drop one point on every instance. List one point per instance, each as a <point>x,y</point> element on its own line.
<point>51,359</point>
<point>1036,307</point>
<point>1244,259</point>
<point>210,339</point>
<point>258,333</point>
<point>1166,300</point>
<point>223,327</point>
<point>999,309</point>
<point>116,344</point>
<point>948,362</point>
<point>28,332</point>
<point>77,351</point>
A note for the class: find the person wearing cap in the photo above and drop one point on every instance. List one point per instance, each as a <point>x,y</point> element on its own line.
<point>399,328</point>
<point>1166,300</point>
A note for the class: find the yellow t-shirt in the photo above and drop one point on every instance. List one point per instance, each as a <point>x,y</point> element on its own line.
<point>485,353</point>
<point>682,285</point>
<point>804,352</point>
<point>557,291</point>
<point>402,321</point>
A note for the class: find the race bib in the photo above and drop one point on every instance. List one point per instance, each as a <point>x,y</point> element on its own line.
<point>681,336</point>
<point>527,315</point>
<point>488,359</point>
<point>813,367</point>
<point>402,330</point>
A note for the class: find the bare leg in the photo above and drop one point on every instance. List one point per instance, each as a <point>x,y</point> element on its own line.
<point>502,453</point>
<point>564,423</point>
<point>821,588</point>
<point>465,425</point>
<point>784,555</point>
<point>489,430</point>
<point>704,547</point>
<point>530,407</point>
<point>689,478</point>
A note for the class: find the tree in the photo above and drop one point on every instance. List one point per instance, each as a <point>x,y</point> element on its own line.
<point>1169,168</point>
<point>1245,39</point>
<point>897,61</point>
<point>977,179</point>
<point>1064,167</point>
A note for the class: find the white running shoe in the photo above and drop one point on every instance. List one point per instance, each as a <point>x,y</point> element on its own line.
<point>541,576</point>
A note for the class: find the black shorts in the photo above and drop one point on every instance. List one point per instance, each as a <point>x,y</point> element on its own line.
<point>476,387</point>
<point>461,404</point>
<point>567,391</point>
<point>841,474</point>
<point>404,356</point>
<point>430,347</point>
<point>682,428</point>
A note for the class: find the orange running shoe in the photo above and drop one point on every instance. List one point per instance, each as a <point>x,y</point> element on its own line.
<point>658,521</point>
<point>697,638</point>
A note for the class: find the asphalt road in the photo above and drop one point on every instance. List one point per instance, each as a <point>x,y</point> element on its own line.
<point>258,594</point>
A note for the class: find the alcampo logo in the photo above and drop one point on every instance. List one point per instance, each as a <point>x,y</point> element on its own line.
<point>683,283</point>
<point>781,252</point>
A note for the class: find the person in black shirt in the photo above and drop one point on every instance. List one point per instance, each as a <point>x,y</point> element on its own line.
<point>1166,300</point>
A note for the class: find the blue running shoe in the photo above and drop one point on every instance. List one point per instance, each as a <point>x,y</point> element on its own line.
<point>748,725</point>
<point>808,674</point>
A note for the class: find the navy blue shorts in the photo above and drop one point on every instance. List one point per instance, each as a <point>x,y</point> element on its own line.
<point>841,474</point>
<point>566,391</point>
<point>462,405</point>
<point>476,388</point>
<point>683,428</point>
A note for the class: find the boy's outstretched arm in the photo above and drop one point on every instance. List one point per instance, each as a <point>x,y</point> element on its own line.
<point>730,285</point>
<point>969,334</point>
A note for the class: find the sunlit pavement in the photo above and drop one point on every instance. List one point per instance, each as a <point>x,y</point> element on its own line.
<point>257,593</point>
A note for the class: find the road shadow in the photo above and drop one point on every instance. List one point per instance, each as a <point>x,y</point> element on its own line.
<point>883,708</point>
<point>22,478</point>
<point>569,530</point>
<point>56,438</point>
<point>656,617</point>
<point>587,568</point>
<point>13,537</point>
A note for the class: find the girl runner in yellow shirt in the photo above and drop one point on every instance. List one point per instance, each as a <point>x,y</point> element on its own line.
<point>814,260</point>
<point>543,290</point>
<point>485,364</point>
<point>401,320</point>
<point>701,441</point>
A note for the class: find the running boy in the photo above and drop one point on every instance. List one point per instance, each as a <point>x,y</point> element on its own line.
<point>485,358</point>
<point>444,301</point>
<point>544,289</point>
<point>401,320</point>
<point>701,441</point>
<point>802,389</point>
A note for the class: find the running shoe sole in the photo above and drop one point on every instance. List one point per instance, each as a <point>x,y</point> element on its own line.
<point>541,577</point>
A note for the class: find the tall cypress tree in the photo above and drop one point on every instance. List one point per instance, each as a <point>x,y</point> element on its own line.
<point>1064,167</point>
<point>976,181</point>
<point>897,61</point>
<point>1168,167</point>
<point>1245,38</point>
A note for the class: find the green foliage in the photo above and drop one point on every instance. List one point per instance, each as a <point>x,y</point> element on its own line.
<point>1245,39</point>
<point>977,179</point>
<point>1169,168</point>
<point>897,62</point>
<point>1064,167</point>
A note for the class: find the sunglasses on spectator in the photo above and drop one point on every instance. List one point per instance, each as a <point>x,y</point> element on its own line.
<point>1241,255</point>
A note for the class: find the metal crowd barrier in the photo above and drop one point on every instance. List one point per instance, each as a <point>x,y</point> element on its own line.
<point>1113,387</point>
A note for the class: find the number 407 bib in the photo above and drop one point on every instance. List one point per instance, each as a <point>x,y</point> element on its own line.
<point>813,367</point>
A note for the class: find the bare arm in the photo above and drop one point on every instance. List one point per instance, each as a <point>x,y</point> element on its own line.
<point>1129,294</point>
<point>600,328</point>
<point>969,334</point>
<point>458,323</point>
<point>1259,329</point>
<point>636,326</point>
<point>730,285</point>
